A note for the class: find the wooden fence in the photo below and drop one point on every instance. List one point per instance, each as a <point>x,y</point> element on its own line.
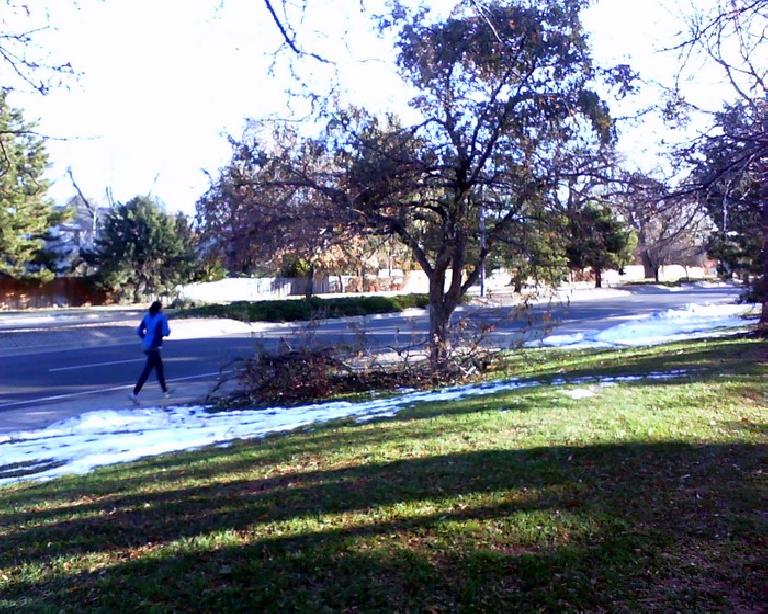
<point>60,292</point>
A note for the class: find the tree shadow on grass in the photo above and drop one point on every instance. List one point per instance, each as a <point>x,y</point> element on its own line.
<point>596,527</point>
<point>345,570</point>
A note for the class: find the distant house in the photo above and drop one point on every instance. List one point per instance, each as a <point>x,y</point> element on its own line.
<point>67,243</point>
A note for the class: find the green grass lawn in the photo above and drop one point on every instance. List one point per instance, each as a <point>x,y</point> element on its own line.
<point>647,495</point>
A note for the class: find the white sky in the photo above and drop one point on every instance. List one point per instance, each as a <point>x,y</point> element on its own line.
<point>162,81</point>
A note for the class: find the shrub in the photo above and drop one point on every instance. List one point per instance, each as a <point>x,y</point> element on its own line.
<point>302,310</point>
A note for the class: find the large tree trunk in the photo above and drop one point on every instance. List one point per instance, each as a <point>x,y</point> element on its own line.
<point>517,282</point>
<point>442,301</point>
<point>650,268</point>
<point>442,304</point>
<point>439,318</point>
<point>310,280</point>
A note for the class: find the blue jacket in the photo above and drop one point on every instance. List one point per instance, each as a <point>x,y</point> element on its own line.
<point>152,330</point>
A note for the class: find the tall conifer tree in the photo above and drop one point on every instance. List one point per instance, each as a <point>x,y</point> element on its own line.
<point>25,212</point>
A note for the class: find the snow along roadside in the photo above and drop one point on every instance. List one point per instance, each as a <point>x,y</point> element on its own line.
<point>695,320</point>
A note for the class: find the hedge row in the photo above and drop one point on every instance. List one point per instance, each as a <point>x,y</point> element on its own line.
<point>298,310</point>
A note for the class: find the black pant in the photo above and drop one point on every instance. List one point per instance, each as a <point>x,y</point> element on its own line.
<point>154,361</point>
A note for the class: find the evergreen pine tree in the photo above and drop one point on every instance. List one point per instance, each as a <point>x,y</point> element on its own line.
<point>25,212</point>
<point>144,252</point>
<point>598,240</point>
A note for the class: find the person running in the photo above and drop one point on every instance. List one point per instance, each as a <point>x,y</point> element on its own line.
<point>153,327</point>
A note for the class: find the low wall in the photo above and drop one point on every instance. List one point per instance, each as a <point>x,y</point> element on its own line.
<point>270,288</point>
<point>236,289</point>
<point>673,272</point>
<point>263,288</point>
<point>408,282</point>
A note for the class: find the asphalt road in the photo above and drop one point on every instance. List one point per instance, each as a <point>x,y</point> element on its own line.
<point>39,387</point>
<point>511,325</point>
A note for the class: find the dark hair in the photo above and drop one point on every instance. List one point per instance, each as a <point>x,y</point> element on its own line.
<point>155,307</point>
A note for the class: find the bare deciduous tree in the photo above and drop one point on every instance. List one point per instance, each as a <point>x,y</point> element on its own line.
<point>22,61</point>
<point>503,107</point>
<point>734,37</point>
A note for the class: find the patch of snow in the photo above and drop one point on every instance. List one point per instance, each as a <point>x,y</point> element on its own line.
<point>630,317</point>
<point>563,340</point>
<point>590,294</point>
<point>712,284</point>
<point>662,327</point>
<point>411,312</point>
<point>579,393</point>
<point>197,328</point>
<point>663,288</point>
<point>620,379</point>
